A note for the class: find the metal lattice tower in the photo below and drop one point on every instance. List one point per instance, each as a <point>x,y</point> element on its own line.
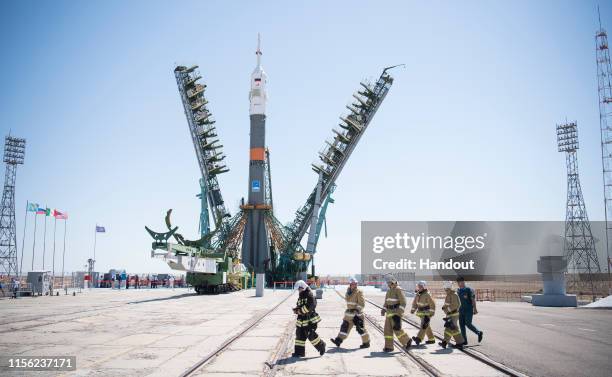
<point>604,89</point>
<point>579,246</point>
<point>204,137</point>
<point>14,153</point>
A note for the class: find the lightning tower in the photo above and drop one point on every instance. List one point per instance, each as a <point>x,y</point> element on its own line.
<point>579,246</point>
<point>604,89</point>
<point>255,246</point>
<point>14,153</point>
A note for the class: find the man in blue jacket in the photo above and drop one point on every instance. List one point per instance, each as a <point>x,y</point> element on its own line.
<point>467,310</point>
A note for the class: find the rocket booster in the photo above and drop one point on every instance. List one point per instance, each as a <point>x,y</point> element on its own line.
<point>255,247</point>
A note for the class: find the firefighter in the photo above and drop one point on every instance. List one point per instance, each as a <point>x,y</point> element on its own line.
<point>353,315</point>
<point>451,308</point>
<point>425,307</point>
<point>395,303</point>
<point>306,323</point>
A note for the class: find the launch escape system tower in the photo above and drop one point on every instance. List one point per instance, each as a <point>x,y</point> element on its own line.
<point>234,248</point>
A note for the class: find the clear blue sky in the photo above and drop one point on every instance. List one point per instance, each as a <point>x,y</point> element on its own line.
<point>466,133</point>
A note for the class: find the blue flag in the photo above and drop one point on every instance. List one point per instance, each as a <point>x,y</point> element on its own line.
<point>100,229</point>
<point>32,207</point>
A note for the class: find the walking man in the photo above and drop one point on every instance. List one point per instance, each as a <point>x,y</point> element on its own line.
<point>353,315</point>
<point>425,307</point>
<point>395,303</point>
<point>306,323</point>
<point>15,287</point>
<point>468,309</point>
<point>451,308</point>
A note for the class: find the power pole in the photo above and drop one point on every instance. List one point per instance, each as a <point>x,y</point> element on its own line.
<point>14,153</point>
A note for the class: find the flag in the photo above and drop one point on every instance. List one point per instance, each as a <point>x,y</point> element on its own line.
<point>100,229</point>
<point>43,211</point>
<point>32,207</point>
<point>60,215</point>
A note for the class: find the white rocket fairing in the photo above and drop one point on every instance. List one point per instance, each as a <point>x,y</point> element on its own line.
<point>258,96</point>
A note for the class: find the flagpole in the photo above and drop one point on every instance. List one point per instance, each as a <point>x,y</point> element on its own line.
<point>25,225</point>
<point>54,231</point>
<point>64,251</point>
<point>95,240</point>
<point>34,244</point>
<point>45,239</point>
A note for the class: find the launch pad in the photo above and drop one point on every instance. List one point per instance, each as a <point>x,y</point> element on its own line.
<point>253,242</point>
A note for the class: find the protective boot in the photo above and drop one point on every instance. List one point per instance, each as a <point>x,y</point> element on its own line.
<point>295,354</point>
<point>443,344</point>
<point>408,344</point>
<point>459,346</point>
<point>336,341</point>
<point>387,349</point>
<point>321,348</point>
<point>416,339</point>
<point>480,337</point>
<point>365,345</point>
<point>430,341</point>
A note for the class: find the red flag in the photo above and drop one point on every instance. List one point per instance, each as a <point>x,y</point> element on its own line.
<point>59,215</point>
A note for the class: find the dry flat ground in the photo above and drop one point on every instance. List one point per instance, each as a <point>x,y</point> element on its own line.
<point>162,332</point>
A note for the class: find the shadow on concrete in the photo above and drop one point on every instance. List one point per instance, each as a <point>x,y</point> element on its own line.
<point>164,298</point>
<point>341,350</point>
<point>443,351</point>
<point>381,354</point>
<point>293,360</point>
<point>419,347</point>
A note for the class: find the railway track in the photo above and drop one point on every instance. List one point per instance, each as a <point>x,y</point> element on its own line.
<point>252,324</point>
<point>476,355</point>
<point>428,368</point>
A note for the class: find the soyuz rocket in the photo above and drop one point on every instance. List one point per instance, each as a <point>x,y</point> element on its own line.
<point>255,247</point>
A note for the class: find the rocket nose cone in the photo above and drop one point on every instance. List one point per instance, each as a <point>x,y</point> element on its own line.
<point>259,73</point>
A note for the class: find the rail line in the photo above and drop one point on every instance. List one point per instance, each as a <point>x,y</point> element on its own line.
<point>212,355</point>
<point>427,368</point>
<point>476,355</point>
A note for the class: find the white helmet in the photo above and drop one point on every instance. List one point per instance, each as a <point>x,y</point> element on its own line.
<point>447,285</point>
<point>352,280</point>
<point>300,284</point>
<point>391,279</point>
<point>422,283</point>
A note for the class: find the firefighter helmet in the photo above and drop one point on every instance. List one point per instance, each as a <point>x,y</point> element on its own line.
<point>300,284</point>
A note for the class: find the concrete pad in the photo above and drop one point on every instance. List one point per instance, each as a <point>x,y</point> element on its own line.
<point>179,341</point>
<point>267,331</point>
<point>129,333</point>
<point>140,339</point>
<point>141,359</point>
<point>264,343</point>
<point>238,361</point>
